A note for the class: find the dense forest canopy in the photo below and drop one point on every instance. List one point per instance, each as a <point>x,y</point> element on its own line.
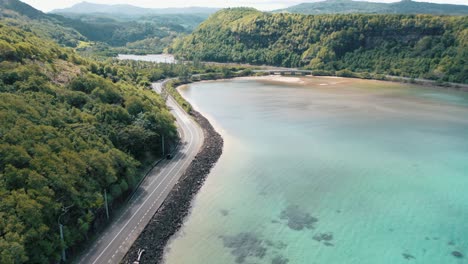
<point>365,7</point>
<point>145,34</point>
<point>71,128</point>
<point>425,46</point>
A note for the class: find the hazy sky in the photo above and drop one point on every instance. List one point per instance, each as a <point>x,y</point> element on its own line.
<point>48,5</point>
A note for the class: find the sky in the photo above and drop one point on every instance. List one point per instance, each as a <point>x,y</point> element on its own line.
<point>48,5</point>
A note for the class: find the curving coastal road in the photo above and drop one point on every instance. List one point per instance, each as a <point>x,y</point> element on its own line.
<point>114,243</point>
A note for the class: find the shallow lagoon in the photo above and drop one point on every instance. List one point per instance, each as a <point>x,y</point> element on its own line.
<point>330,170</point>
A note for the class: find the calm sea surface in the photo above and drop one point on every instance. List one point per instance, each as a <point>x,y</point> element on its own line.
<point>330,171</point>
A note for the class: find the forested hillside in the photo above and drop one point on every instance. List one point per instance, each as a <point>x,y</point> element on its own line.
<point>71,128</point>
<point>146,34</point>
<point>365,7</point>
<point>107,34</point>
<point>425,46</point>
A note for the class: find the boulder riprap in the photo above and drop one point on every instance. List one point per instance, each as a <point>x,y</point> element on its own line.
<point>169,218</point>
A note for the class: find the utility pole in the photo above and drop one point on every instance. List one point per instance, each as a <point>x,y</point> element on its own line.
<point>163,151</point>
<point>64,257</point>
<point>62,239</point>
<point>107,205</point>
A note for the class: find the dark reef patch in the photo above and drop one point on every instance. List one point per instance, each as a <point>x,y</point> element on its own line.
<point>457,254</point>
<point>408,256</point>
<point>276,245</point>
<point>279,260</point>
<point>224,212</point>
<point>244,245</point>
<point>298,219</point>
<point>326,237</point>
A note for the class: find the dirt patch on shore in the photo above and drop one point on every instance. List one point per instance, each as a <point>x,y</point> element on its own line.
<point>170,216</point>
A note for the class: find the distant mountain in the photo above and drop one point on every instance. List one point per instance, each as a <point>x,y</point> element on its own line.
<point>362,7</point>
<point>21,8</point>
<point>130,10</point>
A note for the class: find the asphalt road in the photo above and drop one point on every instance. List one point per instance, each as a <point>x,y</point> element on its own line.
<point>114,243</point>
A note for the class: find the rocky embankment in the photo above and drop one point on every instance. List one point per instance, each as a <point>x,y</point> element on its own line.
<point>169,218</point>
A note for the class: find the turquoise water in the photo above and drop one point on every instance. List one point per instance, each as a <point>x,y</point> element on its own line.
<point>330,171</point>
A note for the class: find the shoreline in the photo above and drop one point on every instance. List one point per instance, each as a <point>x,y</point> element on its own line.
<point>217,127</point>
<point>172,213</point>
<point>388,78</point>
<point>299,80</point>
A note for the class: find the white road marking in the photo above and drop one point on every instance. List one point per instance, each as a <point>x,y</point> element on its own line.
<point>188,149</point>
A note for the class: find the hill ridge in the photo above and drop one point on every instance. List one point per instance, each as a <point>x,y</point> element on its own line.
<point>128,9</point>
<point>364,7</point>
<point>414,46</point>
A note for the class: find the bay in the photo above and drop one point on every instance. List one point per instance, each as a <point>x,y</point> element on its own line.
<point>330,170</point>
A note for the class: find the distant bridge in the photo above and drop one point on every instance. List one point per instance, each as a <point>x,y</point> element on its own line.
<point>285,72</point>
